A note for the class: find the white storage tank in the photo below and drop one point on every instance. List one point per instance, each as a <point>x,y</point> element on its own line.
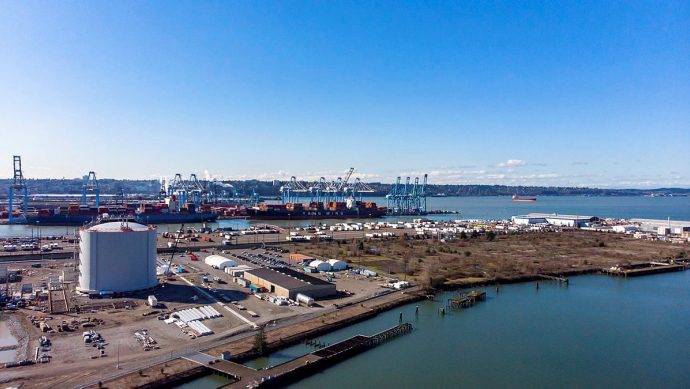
<point>320,265</point>
<point>304,299</point>
<point>219,262</point>
<point>117,257</point>
<point>337,264</point>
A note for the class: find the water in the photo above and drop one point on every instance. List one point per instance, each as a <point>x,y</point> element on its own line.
<point>597,332</point>
<point>211,381</point>
<point>6,340</point>
<point>490,207</point>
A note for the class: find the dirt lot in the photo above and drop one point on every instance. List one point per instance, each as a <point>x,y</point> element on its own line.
<point>505,257</point>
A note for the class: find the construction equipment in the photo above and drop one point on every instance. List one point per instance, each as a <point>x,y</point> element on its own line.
<point>168,270</point>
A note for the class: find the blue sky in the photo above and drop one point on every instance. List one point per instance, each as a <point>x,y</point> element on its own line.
<point>531,93</point>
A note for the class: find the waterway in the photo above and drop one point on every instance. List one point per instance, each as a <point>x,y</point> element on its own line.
<point>596,332</point>
<point>485,207</point>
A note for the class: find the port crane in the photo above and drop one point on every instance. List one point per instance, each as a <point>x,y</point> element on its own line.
<point>178,189</point>
<point>291,190</point>
<point>324,191</point>
<point>196,190</point>
<point>407,198</point>
<point>19,187</point>
<point>90,186</point>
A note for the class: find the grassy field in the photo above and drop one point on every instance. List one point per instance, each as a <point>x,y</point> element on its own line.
<point>479,259</point>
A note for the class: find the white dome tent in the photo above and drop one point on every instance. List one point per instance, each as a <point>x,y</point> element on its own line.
<point>320,265</point>
<point>219,262</point>
<point>337,264</point>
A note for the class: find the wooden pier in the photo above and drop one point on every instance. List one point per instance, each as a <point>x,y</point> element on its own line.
<point>466,300</point>
<point>279,375</point>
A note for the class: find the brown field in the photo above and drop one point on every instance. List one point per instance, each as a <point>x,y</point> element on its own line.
<point>507,257</point>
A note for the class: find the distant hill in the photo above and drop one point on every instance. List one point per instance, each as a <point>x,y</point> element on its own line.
<point>271,188</point>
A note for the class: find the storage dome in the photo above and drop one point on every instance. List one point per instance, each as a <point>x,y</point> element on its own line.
<point>219,262</point>
<point>337,264</point>
<point>320,265</point>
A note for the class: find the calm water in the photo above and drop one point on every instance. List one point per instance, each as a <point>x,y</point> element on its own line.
<point>7,339</point>
<point>598,332</point>
<point>677,208</point>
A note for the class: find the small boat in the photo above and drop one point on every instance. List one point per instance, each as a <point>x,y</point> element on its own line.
<point>517,198</point>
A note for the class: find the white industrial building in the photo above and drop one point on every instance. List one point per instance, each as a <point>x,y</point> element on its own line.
<point>337,264</point>
<point>554,219</point>
<point>625,229</point>
<point>219,262</point>
<point>320,265</point>
<point>117,257</point>
<point>663,227</point>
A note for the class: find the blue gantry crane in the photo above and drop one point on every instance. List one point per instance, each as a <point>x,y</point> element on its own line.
<point>407,198</point>
<point>18,187</point>
<point>323,191</point>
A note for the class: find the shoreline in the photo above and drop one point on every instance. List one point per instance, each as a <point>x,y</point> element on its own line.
<point>242,349</point>
<point>276,343</point>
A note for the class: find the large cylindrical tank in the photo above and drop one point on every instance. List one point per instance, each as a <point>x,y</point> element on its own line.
<point>117,257</point>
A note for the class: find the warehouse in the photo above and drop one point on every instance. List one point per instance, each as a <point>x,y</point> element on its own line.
<point>663,227</point>
<point>288,283</point>
<point>219,262</point>
<point>555,219</point>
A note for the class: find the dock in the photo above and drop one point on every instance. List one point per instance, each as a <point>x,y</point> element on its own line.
<point>554,278</point>
<point>278,375</point>
<point>466,300</point>
<point>644,269</point>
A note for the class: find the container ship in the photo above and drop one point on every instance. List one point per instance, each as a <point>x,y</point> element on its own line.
<point>350,209</point>
<point>519,199</point>
<point>146,213</point>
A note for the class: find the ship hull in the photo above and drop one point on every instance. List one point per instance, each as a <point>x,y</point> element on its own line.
<point>79,220</point>
<point>60,220</point>
<point>313,215</point>
<point>174,218</point>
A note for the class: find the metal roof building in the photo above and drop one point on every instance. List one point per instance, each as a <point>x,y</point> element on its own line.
<point>554,219</point>
<point>288,283</point>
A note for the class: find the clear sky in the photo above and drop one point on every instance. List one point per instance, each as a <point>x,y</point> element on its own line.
<point>509,92</point>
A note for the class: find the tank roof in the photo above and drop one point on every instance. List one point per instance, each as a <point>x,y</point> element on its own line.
<point>119,226</point>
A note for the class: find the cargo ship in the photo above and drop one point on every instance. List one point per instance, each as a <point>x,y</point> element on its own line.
<point>518,199</point>
<point>349,209</point>
<point>74,214</point>
<point>146,213</point>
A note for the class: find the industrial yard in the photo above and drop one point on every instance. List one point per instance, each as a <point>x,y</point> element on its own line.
<point>81,312</point>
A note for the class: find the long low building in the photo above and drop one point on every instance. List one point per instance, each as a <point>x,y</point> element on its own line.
<point>288,283</point>
<point>554,219</point>
<point>664,227</point>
